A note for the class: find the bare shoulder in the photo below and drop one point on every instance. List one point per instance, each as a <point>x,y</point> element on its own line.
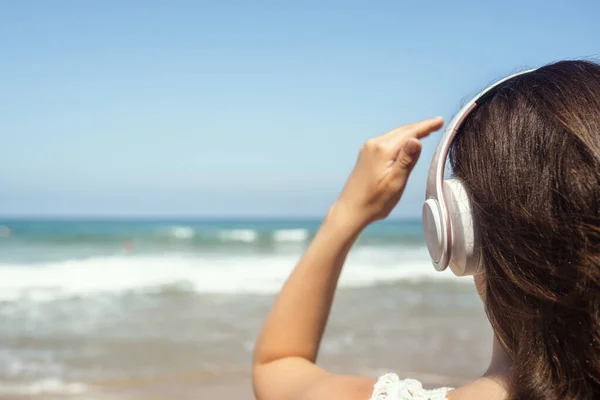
<point>341,387</point>
<point>295,378</point>
<point>482,388</point>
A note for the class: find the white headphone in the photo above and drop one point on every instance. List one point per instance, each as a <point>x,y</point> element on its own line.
<point>447,213</point>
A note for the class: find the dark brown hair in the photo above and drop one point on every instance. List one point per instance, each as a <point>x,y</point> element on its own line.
<point>530,158</point>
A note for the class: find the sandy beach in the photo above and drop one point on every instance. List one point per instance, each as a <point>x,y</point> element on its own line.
<point>198,387</point>
<point>239,387</point>
<point>441,347</point>
<point>445,347</point>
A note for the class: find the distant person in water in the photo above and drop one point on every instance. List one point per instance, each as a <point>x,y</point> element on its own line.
<point>5,231</point>
<point>527,157</point>
<point>128,246</point>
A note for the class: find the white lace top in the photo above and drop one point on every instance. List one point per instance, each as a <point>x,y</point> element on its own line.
<point>390,387</point>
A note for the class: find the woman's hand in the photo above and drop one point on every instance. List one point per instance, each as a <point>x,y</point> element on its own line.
<point>381,172</point>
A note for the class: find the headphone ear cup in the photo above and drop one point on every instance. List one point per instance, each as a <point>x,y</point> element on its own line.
<point>435,236</point>
<point>464,255</point>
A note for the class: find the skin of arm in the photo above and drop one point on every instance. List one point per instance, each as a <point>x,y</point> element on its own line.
<point>286,350</point>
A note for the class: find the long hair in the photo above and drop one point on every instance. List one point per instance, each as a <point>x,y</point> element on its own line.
<point>530,159</point>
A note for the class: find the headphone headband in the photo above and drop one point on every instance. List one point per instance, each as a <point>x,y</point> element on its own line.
<point>436,212</point>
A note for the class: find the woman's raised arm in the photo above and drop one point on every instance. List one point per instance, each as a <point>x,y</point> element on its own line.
<point>286,350</point>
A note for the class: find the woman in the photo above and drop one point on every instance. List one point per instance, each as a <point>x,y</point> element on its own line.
<point>529,156</point>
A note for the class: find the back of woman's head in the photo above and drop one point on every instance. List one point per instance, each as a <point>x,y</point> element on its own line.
<point>530,158</point>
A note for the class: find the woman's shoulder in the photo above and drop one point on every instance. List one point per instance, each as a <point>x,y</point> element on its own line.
<point>391,387</point>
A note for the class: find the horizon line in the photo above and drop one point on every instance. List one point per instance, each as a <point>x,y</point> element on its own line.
<point>189,217</point>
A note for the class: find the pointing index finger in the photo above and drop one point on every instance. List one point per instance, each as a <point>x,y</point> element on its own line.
<point>423,128</point>
<point>417,130</point>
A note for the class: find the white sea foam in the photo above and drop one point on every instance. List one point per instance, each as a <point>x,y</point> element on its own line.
<point>204,274</point>
<point>42,387</point>
<point>290,235</point>
<point>239,235</point>
<point>182,232</point>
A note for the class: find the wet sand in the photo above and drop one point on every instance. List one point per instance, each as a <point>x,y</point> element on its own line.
<point>437,333</point>
<point>198,387</point>
<point>239,388</point>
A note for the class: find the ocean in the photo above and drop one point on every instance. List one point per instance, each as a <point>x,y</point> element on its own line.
<point>94,307</point>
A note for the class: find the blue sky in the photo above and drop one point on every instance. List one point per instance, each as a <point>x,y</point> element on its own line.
<point>242,108</point>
